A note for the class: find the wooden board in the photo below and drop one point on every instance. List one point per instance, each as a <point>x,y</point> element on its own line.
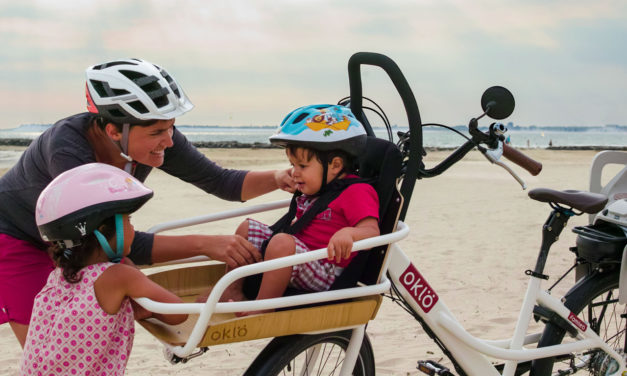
<point>227,328</point>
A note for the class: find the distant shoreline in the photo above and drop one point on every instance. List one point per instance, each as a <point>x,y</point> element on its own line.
<point>263,145</point>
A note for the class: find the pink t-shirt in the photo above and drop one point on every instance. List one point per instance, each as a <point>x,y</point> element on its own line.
<point>70,334</point>
<point>356,202</point>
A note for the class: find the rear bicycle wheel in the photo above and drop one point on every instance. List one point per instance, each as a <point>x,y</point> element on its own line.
<point>594,299</point>
<point>318,354</point>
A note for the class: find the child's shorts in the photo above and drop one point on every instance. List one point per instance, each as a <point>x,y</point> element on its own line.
<point>24,269</point>
<point>316,275</point>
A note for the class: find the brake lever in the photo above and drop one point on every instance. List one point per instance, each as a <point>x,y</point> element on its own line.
<point>494,156</point>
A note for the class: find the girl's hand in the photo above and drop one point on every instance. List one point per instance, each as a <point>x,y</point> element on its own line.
<point>140,312</point>
<point>340,245</point>
<point>341,242</point>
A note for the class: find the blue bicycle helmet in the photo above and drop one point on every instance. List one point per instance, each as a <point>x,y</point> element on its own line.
<point>322,127</point>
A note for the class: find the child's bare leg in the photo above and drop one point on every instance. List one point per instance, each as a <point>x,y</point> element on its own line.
<point>274,282</point>
<point>234,291</point>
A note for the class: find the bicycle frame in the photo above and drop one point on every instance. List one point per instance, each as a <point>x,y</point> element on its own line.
<point>468,351</point>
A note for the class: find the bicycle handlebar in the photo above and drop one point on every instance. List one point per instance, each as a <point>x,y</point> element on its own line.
<point>515,156</point>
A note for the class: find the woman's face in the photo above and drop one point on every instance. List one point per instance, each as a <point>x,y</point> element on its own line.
<point>147,144</point>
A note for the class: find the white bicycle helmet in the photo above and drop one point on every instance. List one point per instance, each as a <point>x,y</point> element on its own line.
<point>134,91</point>
<point>322,127</point>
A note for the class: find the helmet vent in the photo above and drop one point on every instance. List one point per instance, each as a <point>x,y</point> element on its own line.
<point>173,86</point>
<point>139,107</point>
<point>300,117</point>
<point>104,90</point>
<point>111,64</point>
<point>150,85</point>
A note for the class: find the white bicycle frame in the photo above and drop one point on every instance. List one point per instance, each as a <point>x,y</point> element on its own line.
<point>470,352</point>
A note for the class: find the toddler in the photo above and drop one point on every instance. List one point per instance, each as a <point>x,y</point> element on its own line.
<point>332,207</point>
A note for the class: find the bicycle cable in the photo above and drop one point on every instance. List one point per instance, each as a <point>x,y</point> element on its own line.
<point>346,102</point>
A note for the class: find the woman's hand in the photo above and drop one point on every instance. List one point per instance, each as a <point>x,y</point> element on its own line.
<point>232,249</point>
<point>284,180</point>
<point>257,183</point>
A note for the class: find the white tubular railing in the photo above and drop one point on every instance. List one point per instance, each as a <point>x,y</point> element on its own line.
<point>172,225</point>
<point>218,216</point>
<point>213,306</point>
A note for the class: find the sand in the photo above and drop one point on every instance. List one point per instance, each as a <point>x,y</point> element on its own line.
<point>474,232</point>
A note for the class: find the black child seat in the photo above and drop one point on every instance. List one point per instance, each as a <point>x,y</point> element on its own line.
<point>382,161</point>
<point>380,166</point>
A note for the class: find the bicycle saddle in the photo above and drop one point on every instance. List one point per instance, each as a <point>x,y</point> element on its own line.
<point>586,202</point>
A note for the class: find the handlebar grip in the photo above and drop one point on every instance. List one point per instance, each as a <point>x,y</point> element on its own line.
<point>534,167</point>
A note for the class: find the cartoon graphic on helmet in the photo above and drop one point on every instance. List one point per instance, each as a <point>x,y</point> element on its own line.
<point>322,127</point>
<point>134,91</point>
<point>77,201</point>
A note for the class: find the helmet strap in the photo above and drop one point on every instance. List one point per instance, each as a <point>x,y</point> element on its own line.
<point>325,171</point>
<point>119,237</point>
<point>124,146</point>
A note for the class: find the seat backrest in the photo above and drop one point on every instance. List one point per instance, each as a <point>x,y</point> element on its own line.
<point>616,188</point>
<point>382,162</point>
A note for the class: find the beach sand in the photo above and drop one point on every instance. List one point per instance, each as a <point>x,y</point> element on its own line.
<point>474,232</point>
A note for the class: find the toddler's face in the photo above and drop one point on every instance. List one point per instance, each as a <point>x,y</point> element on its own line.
<point>307,174</point>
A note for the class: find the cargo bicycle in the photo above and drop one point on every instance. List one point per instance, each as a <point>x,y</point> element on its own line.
<point>323,333</point>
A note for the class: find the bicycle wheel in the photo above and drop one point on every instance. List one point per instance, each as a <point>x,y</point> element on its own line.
<point>594,299</point>
<point>318,354</point>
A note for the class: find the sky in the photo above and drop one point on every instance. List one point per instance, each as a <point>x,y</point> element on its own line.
<point>251,62</point>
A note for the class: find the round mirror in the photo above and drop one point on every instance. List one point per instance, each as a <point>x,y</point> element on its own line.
<point>497,102</point>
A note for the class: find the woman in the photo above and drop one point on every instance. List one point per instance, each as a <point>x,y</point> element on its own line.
<point>132,105</point>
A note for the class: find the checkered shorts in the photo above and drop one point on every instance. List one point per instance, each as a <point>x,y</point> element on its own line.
<point>313,276</point>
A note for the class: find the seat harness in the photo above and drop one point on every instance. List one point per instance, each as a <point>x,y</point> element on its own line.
<point>331,191</point>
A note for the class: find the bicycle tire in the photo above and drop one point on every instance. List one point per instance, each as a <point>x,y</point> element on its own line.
<point>597,296</point>
<point>285,355</point>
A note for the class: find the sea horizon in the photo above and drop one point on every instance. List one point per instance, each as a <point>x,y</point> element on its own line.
<point>532,136</point>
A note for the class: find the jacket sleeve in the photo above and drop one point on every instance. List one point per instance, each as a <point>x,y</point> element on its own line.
<point>141,248</point>
<point>184,161</point>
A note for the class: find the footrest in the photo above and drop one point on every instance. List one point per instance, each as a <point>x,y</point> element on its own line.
<point>432,368</point>
<point>227,328</point>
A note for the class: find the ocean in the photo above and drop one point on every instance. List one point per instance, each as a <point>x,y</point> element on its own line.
<point>520,137</point>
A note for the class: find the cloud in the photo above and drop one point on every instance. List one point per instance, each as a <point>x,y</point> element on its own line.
<point>251,61</point>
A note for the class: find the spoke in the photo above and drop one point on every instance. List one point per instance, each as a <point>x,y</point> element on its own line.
<point>322,359</point>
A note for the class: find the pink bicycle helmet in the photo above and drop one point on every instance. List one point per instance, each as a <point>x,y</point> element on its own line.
<point>76,202</point>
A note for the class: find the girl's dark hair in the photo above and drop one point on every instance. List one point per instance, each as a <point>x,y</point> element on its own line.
<point>72,260</point>
<point>347,160</point>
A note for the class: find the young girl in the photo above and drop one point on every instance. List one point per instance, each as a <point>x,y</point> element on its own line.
<point>82,321</point>
<point>332,207</point>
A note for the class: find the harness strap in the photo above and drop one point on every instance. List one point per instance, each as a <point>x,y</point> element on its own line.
<point>286,223</point>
